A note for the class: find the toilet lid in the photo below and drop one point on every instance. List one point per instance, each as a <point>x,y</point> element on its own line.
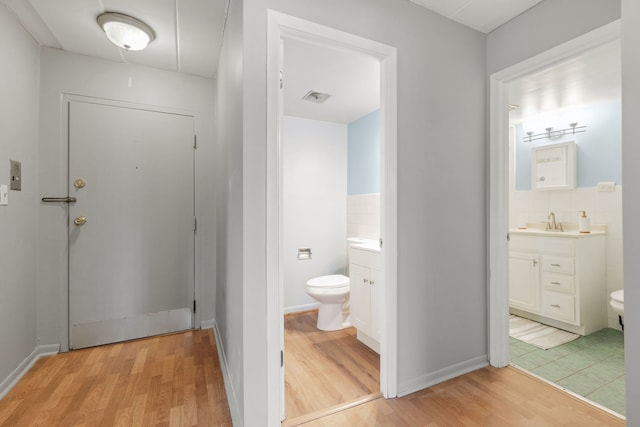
<point>618,296</point>
<point>330,281</point>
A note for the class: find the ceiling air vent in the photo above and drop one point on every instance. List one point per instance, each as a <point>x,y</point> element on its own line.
<point>317,97</point>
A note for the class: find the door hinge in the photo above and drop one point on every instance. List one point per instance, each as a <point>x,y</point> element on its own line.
<point>281,358</point>
<point>194,306</point>
<point>195,224</point>
<point>380,240</point>
<point>508,237</point>
<point>195,142</point>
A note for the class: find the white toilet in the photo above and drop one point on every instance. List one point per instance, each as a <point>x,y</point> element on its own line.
<point>332,292</point>
<point>617,303</point>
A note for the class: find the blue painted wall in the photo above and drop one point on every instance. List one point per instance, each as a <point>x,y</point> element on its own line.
<point>363,155</point>
<point>598,150</point>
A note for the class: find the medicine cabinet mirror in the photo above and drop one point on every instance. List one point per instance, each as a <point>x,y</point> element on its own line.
<point>554,166</point>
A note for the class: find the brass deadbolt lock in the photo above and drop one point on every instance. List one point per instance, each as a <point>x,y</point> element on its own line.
<point>80,220</point>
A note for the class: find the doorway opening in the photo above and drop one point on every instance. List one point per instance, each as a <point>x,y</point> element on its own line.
<point>550,279</point>
<point>283,29</point>
<point>331,197</point>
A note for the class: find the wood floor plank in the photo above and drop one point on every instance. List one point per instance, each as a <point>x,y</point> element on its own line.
<point>137,383</point>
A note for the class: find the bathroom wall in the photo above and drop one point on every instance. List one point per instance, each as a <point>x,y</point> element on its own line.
<point>363,177</point>
<point>598,150</point>
<point>314,204</point>
<point>599,159</point>
<point>20,58</point>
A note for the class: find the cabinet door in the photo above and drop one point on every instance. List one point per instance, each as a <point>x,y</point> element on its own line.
<point>523,282</point>
<point>377,284</point>
<point>360,298</point>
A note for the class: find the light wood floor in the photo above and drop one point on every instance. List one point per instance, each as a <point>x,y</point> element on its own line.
<point>323,369</point>
<point>176,380</point>
<point>484,398</point>
<point>172,380</point>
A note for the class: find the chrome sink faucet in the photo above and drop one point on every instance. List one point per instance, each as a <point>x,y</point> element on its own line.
<point>552,225</point>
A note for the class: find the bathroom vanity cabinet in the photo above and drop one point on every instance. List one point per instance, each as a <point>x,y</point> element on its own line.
<point>559,279</point>
<point>365,272</point>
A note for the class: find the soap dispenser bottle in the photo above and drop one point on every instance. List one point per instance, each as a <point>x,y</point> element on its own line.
<point>584,223</point>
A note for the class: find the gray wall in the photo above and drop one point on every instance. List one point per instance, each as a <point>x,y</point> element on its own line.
<point>229,274</point>
<point>631,201</point>
<point>441,184</point>
<point>63,72</point>
<point>19,55</point>
<point>544,26</point>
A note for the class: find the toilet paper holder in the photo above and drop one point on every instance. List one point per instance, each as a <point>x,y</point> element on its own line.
<point>304,253</point>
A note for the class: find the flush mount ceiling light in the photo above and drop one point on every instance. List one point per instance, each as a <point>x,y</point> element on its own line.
<point>125,31</point>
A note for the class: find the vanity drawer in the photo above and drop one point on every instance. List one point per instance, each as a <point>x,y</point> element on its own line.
<point>557,282</point>
<point>559,306</point>
<point>558,265</point>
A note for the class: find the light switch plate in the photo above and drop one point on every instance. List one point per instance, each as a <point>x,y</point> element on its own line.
<point>16,175</point>
<point>4,195</point>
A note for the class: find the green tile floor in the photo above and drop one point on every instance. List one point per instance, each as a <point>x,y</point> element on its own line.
<point>591,366</point>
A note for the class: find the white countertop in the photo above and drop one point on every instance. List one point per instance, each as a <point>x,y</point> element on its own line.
<point>367,245</point>
<point>570,231</point>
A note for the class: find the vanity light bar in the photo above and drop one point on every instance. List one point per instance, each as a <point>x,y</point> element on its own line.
<point>550,133</point>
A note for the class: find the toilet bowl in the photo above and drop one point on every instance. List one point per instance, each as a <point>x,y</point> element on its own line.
<point>617,301</point>
<point>332,292</point>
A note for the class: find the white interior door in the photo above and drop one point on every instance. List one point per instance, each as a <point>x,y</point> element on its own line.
<point>131,230</point>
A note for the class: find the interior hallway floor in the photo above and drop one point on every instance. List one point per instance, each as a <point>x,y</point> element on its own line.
<point>169,380</point>
<point>591,366</point>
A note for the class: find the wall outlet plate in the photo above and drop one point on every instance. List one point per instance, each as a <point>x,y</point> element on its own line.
<point>16,175</point>
<point>606,186</point>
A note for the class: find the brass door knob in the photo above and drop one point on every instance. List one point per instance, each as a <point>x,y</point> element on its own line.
<point>79,183</point>
<point>80,220</point>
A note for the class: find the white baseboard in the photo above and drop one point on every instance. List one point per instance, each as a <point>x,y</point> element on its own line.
<point>207,324</point>
<point>425,381</point>
<point>23,368</point>
<point>299,308</point>
<point>232,399</point>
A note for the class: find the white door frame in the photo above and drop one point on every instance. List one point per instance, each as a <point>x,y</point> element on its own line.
<point>65,99</point>
<point>498,302</point>
<point>279,26</point>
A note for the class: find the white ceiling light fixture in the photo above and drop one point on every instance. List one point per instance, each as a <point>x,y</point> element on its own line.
<point>126,31</point>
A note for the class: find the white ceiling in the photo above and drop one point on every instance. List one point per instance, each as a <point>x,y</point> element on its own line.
<point>352,80</point>
<point>482,15</point>
<point>589,78</point>
<point>188,32</point>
